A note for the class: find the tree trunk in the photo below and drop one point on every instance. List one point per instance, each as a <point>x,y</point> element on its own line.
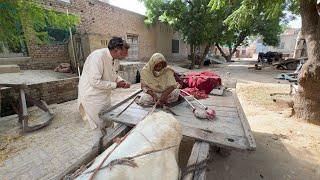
<point>307,100</point>
<point>226,57</point>
<point>206,50</point>
<point>193,60</point>
<point>230,51</point>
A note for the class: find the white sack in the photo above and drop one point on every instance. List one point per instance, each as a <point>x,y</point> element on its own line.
<point>158,131</point>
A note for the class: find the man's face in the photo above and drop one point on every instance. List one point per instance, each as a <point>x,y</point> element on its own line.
<point>120,53</point>
<point>124,53</point>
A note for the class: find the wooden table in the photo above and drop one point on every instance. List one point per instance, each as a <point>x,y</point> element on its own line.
<point>230,129</point>
<point>22,111</point>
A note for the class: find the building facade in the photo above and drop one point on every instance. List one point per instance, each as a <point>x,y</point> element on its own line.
<point>99,21</point>
<point>287,45</point>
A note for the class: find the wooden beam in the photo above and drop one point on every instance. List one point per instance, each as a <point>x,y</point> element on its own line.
<point>199,154</point>
<point>245,124</point>
<point>104,111</point>
<point>119,130</point>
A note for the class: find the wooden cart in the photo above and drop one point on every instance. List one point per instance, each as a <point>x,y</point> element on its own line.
<point>229,130</point>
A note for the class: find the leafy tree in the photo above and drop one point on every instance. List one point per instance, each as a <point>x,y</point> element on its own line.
<point>19,19</point>
<point>202,26</point>
<point>307,99</point>
<point>193,19</point>
<point>255,24</point>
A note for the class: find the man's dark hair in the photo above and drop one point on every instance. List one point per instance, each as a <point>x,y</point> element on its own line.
<point>117,43</point>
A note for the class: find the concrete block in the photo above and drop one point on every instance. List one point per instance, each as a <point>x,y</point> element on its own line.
<point>9,69</point>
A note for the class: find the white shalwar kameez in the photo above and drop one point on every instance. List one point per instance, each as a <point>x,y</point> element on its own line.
<point>98,78</point>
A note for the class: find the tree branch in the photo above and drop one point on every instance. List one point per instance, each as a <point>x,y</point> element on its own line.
<point>241,38</point>
<point>221,51</point>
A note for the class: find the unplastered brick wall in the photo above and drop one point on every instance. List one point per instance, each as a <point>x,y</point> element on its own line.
<point>51,92</point>
<point>46,56</point>
<point>130,70</point>
<point>49,52</point>
<point>103,19</point>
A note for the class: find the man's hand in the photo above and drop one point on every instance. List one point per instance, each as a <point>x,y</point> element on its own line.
<point>160,103</point>
<point>123,84</point>
<point>127,85</point>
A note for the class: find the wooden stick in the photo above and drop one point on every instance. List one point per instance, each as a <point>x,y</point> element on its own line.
<point>127,106</point>
<point>205,107</point>
<point>193,108</point>
<point>151,111</point>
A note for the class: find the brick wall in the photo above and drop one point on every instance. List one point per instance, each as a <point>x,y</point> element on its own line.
<point>48,52</point>
<point>129,70</point>
<point>104,20</point>
<point>46,56</point>
<point>51,92</point>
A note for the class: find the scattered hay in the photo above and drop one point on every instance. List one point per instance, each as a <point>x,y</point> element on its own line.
<point>5,148</point>
<point>257,96</point>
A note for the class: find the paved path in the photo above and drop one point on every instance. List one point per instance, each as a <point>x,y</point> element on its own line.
<point>46,153</point>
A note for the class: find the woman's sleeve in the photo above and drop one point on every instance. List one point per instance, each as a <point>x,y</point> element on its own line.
<point>171,81</point>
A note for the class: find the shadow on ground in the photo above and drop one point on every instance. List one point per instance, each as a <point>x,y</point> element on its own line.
<point>271,160</point>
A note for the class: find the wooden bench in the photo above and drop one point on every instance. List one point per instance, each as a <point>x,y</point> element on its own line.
<point>22,111</point>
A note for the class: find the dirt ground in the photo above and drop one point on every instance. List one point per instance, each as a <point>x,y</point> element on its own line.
<point>287,148</point>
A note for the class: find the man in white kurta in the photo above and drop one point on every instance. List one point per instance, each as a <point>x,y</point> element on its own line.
<point>98,78</point>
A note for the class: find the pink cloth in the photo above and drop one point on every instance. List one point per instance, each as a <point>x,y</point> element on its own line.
<point>203,81</point>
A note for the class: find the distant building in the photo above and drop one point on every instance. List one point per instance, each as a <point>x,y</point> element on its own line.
<point>287,44</point>
<point>288,41</point>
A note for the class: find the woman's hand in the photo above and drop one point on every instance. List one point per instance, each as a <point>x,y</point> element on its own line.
<point>154,96</point>
<point>166,93</point>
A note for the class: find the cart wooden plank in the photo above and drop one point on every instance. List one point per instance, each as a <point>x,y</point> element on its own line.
<point>199,153</point>
<point>229,129</point>
<point>223,124</point>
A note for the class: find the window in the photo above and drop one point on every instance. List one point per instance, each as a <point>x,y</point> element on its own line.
<point>133,52</point>
<point>104,43</point>
<point>243,52</point>
<point>67,1</point>
<point>281,46</point>
<point>175,46</point>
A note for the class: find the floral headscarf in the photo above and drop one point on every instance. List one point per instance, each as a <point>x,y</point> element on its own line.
<point>157,83</point>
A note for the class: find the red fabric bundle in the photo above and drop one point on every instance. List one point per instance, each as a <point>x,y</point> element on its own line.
<point>203,81</point>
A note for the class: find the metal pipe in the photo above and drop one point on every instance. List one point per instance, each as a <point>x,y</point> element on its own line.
<point>205,107</point>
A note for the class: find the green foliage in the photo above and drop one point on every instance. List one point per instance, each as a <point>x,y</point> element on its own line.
<point>251,18</point>
<point>10,28</point>
<point>223,22</point>
<point>193,19</point>
<point>20,18</point>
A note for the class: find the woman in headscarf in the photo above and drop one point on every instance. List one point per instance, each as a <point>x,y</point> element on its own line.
<point>158,82</point>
